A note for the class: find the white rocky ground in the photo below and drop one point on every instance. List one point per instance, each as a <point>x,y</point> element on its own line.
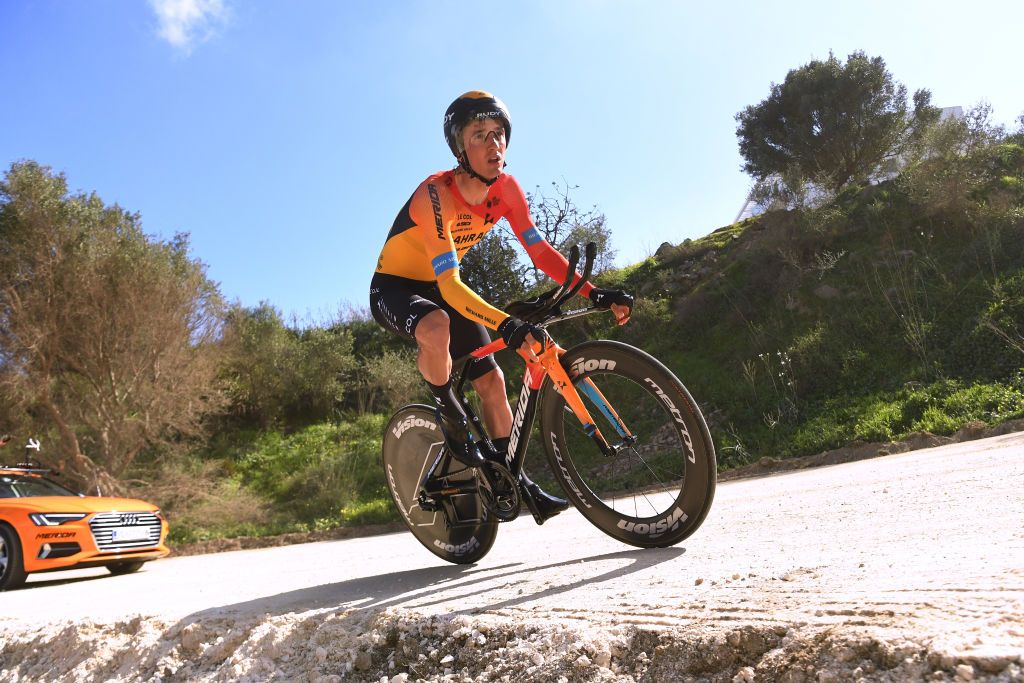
<point>909,567</point>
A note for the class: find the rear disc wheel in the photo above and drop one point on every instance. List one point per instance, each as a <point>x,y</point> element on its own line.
<point>461,530</point>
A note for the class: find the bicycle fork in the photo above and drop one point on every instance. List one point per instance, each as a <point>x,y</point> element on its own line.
<point>550,359</point>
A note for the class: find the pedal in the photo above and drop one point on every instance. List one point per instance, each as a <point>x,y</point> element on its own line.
<point>427,504</point>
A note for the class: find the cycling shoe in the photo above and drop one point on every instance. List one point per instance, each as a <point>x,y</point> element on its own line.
<point>543,506</point>
<point>459,441</point>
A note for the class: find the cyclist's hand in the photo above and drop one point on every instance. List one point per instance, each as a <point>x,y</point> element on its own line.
<point>521,335</point>
<point>621,313</point>
<point>620,303</point>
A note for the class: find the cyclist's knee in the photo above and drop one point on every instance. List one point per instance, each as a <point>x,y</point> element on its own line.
<point>432,333</point>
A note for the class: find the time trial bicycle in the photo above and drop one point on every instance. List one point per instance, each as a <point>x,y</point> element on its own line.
<point>623,436</point>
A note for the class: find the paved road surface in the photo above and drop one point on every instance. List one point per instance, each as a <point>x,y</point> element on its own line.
<point>929,542</point>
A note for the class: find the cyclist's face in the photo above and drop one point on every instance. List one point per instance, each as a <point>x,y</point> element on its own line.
<point>484,142</point>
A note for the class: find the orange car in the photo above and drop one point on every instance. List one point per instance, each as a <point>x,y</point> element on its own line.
<point>46,527</point>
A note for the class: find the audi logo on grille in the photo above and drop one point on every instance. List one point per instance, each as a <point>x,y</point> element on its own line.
<point>130,519</point>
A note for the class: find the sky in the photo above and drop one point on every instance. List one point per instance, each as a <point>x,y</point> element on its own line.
<point>284,136</point>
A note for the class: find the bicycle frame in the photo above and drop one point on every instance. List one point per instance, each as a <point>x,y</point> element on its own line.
<point>547,365</point>
<point>544,311</point>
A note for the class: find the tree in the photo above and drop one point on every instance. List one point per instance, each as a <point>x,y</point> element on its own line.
<point>969,168</point>
<point>256,344</point>
<point>832,124</point>
<point>282,376</point>
<point>388,380</point>
<point>107,337</point>
<point>563,224</point>
<point>494,268</point>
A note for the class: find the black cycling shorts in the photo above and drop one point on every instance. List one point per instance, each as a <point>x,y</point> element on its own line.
<point>398,304</point>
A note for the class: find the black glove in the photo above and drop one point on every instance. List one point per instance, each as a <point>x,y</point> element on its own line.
<point>514,331</point>
<point>604,298</point>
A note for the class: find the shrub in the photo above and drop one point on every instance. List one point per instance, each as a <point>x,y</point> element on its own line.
<point>314,473</point>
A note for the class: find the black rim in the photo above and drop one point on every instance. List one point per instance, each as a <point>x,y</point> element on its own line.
<point>660,482</point>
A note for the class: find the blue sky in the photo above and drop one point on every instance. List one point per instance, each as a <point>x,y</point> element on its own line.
<point>285,136</point>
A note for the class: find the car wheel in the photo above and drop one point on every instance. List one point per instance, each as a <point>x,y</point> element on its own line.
<point>124,568</point>
<point>12,569</point>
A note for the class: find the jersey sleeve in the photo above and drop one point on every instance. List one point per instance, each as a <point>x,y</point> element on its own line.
<point>540,251</point>
<point>432,211</point>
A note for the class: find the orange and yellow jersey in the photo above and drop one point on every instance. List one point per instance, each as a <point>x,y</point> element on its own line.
<point>436,227</point>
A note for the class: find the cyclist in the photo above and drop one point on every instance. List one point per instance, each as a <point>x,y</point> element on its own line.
<point>416,291</point>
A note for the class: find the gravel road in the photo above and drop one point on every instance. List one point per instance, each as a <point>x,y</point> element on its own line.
<point>905,567</point>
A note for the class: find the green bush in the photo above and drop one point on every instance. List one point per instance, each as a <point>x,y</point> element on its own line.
<point>881,422</point>
<point>314,473</point>
<point>380,510</point>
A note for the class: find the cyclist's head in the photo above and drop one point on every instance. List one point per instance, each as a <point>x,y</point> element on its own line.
<point>471,107</point>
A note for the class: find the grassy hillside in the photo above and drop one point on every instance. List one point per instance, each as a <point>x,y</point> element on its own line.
<point>803,331</point>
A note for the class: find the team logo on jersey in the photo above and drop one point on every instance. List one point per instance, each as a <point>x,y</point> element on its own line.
<point>444,262</point>
<point>435,201</point>
<point>469,238</point>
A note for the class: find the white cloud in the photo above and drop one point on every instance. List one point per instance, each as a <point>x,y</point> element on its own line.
<point>185,23</point>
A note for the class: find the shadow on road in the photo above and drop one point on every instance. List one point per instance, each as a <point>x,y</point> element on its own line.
<point>457,583</point>
<point>39,583</point>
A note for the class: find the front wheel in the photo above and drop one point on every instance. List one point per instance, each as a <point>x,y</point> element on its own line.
<point>121,568</point>
<point>461,530</point>
<point>657,488</point>
<point>12,570</point>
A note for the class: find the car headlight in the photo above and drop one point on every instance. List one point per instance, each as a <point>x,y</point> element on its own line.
<point>55,518</point>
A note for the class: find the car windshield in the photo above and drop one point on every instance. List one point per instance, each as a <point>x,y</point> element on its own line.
<point>24,486</point>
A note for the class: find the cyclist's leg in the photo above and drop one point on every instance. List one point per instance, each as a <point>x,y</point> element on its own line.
<point>484,374</point>
<point>432,337</point>
<point>497,413</point>
<point>411,310</point>
<point>489,383</point>
<point>435,364</point>
<point>399,304</point>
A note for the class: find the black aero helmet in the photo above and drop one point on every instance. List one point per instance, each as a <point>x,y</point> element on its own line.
<point>473,105</point>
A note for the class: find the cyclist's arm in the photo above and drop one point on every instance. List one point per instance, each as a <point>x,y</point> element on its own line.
<point>429,213</point>
<point>543,255</point>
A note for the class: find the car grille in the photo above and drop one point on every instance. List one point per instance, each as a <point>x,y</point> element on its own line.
<point>105,524</point>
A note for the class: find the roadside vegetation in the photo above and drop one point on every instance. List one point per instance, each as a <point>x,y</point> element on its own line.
<point>870,301</point>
